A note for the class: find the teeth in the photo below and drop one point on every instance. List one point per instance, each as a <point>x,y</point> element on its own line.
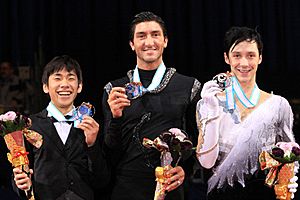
<point>64,93</point>
<point>244,70</point>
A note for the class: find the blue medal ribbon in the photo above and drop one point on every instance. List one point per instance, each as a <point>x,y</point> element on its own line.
<point>158,76</point>
<point>236,90</point>
<point>56,114</point>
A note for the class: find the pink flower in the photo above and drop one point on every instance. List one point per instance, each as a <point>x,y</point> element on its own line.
<point>286,152</point>
<point>287,146</point>
<point>13,121</point>
<point>9,116</point>
<point>178,134</point>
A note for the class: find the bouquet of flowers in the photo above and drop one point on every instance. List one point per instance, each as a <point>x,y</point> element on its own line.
<point>12,127</point>
<point>281,162</point>
<point>171,144</point>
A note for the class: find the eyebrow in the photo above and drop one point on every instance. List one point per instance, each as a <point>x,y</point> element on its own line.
<point>143,32</point>
<point>240,52</point>
<point>60,74</point>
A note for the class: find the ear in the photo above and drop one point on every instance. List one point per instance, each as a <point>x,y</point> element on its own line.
<point>131,45</point>
<point>79,88</point>
<point>166,42</point>
<point>45,88</point>
<point>260,59</point>
<point>226,58</point>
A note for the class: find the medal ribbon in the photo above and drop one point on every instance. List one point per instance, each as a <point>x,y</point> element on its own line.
<point>237,90</point>
<point>158,76</point>
<point>54,112</point>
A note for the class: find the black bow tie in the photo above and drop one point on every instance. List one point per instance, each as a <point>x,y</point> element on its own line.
<point>67,117</point>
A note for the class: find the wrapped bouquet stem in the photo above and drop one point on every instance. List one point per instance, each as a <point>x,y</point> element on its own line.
<point>13,127</point>
<point>17,155</point>
<point>160,174</point>
<point>171,144</point>
<point>281,163</point>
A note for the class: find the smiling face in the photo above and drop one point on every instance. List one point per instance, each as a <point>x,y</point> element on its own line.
<point>244,59</point>
<point>63,87</point>
<point>148,43</point>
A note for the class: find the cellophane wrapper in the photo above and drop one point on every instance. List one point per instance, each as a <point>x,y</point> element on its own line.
<point>17,153</point>
<point>283,178</point>
<point>160,173</point>
<point>279,175</point>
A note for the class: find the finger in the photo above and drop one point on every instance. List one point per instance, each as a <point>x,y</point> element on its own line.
<point>294,179</point>
<point>118,89</point>
<point>117,96</point>
<point>87,127</point>
<point>211,83</point>
<point>174,170</point>
<point>24,184</point>
<point>173,185</point>
<point>17,171</point>
<point>175,174</point>
<point>89,121</point>
<point>117,93</point>
<point>83,127</point>
<point>292,185</point>
<point>21,181</point>
<point>176,183</point>
<point>19,176</point>
<point>293,190</point>
<point>214,90</point>
<point>176,178</point>
<point>118,103</point>
<point>209,88</point>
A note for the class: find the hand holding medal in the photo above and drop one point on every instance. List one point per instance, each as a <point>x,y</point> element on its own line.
<point>223,80</point>
<point>134,90</point>
<point>85,109</point>
<point>84,121</point>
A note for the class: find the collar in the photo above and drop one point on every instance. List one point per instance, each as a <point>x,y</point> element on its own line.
<point>156,80</point>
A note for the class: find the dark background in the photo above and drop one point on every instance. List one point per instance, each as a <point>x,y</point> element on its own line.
<point>95,32</point>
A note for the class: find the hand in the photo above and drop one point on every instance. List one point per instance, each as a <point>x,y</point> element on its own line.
<point>176,178</point>
<point>208,93</point>
<point>21,179</point>
<point>90,128</point>
<point>117,100</point>
<point>293,185</point>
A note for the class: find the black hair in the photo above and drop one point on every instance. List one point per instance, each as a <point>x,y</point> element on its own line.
<point>236,34</point>
<point>58,63</point>
<point>146,17</point>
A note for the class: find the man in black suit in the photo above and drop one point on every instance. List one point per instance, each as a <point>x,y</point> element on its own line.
<point>69,164</point>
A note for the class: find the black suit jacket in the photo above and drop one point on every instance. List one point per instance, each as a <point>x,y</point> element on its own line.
<point>60,168</point>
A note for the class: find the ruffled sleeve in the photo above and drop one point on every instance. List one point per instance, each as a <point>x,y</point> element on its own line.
<point>286,119</point>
